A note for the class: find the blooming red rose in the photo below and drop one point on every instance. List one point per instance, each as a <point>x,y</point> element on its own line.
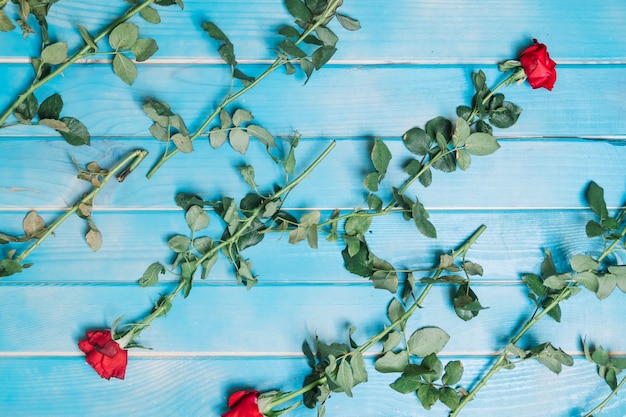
<point>104,354</point>
<point>538,66</point>
<point>244,404</point>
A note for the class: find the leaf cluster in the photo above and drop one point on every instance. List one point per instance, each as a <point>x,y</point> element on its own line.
<point>124,39</point>
<point>608,366</point>
<point>37,8</point>
<point>545,353</point>
<point>322,40</point>
<point>429,379</point>
<point>48,114</point>
<point>340,365</point>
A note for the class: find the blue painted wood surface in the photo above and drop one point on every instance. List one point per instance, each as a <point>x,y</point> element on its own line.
<point>411,61</point>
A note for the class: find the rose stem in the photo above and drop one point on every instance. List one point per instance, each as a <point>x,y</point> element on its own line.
<point>424,168</point>
<point>163,305</point>
<point>134,158</point>
<point>531,322</point>
<point>330,9</point>
<point>461,251</point>
<point>606,400</point>
<point>84,51</point>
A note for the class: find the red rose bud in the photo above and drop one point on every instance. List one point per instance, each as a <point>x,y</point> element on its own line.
<point>244,404</point>
<point>538,66</point>
<point>104,354</point>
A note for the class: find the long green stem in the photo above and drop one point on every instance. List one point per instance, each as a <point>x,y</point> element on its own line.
<point>461,251</point>
<point>84,51</point>
<point>129,163</point>
<point>565,292</point>
<point>278,62</point>
<point>603,404</point>
<point>164,304</point>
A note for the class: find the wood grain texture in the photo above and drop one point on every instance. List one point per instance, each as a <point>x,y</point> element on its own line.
<point>354,101</point>
<point>405,30</point>
<point>66,387</point>
<point>412,61</point>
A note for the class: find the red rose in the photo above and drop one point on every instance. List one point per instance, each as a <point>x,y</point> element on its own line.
<point>538,66</point>
<point>104,354</point>
<point>244,404</point>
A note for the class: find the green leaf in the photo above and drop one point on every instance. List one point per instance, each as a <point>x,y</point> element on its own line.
<point>481,144</point>
<point>144,48</point>
<point>427,340</point>
<point>241,116</point>
<point>380,156</point>
<point>196,218</point>
<point>556,282</point>
<point>588,280</point>
<point>158,111</point>
<point>395,311</point>
<point>27,109</point>
<point>453,373</point>
<point>607,283</point>
<point>179,243</point>
<point>51,107</point>
<point>359,373</point>
<point>392,341</point>
<point>595,198</point>
<point>461,132</point>
<point>359,263</point>
<point>151,275</point>
<point>505,116</point>
<point>87,38</point>
<point>239,140</point>
<point>358,224</point>
<point>322,55</point>
<point>123,36</point>
<point>410,380</point>
<point>124,68</point>
<point>291,49</point>
<point>417,141</point>
<point>582,263</point>
<point>213,31</point>
<point>262,135</point>
<point>247,172</point>
<point>182,142</point>
<point>217,137</point>
<point>594,229</point>
<point>308,67</point>
<point>420,217</point>
<point>299,10</point>
<point>55,53</point>
<point>227,52</point>
<point>289,32</point>
<point>392,362</point>
<point>600,356</point>
<point>75,133</point>
<point>326,35</point>
<point>375,203</point>
<point>463,159</point>
<point>449,397</point>
<point>348,23</point>
<point>345,379</point>
<point>371,181</point>
<point>150,15</point>
<point>5,23</point>
<point>428,395</point>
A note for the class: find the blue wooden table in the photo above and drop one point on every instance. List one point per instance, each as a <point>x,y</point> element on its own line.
<point>410,62</point>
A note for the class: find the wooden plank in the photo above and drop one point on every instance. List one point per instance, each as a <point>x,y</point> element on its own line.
<point>523,174</point>
<point>512,245</point>
<point>382,101</point>
<point>67,386</point>
<point>403,32</point>
<point>230,320</point>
